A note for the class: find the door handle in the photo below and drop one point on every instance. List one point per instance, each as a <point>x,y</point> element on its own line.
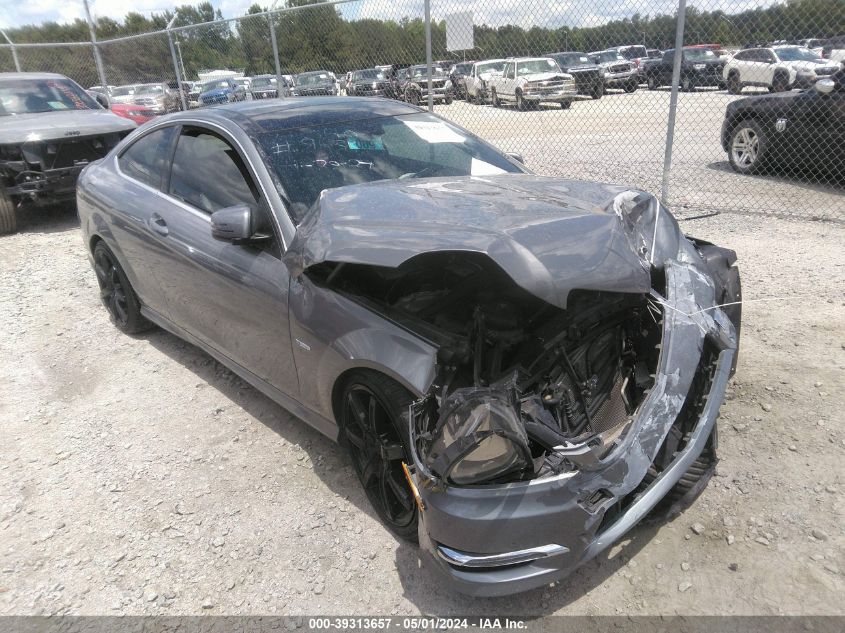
<point>158,224</point>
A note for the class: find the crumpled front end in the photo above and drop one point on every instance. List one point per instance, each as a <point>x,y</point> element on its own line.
<point>612,412</point>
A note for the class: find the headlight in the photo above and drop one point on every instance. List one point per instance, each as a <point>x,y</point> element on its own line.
<point>699,66</point>
<point>479,438</point>
<point>601,72</point>
<point>375,86</point>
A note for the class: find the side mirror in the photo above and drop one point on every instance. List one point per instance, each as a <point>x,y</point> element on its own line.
<point>517,157</point>
<point>232,224</point>
<point>102,100</point>
<point>825,86</point>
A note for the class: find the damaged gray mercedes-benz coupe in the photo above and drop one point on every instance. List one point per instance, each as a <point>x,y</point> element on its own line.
<point>521,367</point>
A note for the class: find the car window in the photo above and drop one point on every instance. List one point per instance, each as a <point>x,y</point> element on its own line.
<point>146,158</point>
<point>308,160</point>
<point>509,71</point>
<point>741,56</point>
<point>209,174</point>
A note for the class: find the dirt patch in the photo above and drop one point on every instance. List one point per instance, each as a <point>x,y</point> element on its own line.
<point>139,476</point>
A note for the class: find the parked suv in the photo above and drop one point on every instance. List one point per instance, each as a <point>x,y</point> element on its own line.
<point>50,129</point>
<point>370,82</point>
<point>589,76</point>
<point>157,97</point>
<point>777,68</point>
<point>315,83</point>
<point>637,54</point>
<point>414,84</point>
<point>699,67</point>
<point>479,77</point>
<point>618,71</point>
<point>529,81</point>
<point>459,75</point>
<point>221,91</point>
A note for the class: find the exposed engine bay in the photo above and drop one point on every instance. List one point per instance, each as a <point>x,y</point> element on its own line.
<point>522,386</point>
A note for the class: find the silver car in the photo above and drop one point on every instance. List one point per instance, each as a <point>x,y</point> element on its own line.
<point>520,367</point>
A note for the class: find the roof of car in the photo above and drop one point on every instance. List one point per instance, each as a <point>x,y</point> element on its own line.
<point>266,115</point>
<point>33,76</point>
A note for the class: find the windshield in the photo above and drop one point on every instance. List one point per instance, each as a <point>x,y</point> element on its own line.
<point>699,54</point>
<point>149,89</point>
<point>367,74</point>
<point>632,52</point>
<point>533,66</point>
<point>571,59</point>
<point>312,79</point>
<point>219,84</point>
<point>308,160</point>
<point>262,82</point>
<point>610,56</point>
<point>796,54</point>
<point>490,67</point>
<point>123,91</point>
<point>422,71</point>
<point>30,96</point>
<point>463,69</point>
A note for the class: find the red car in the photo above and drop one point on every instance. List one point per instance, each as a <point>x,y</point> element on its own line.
<point>139,114</point>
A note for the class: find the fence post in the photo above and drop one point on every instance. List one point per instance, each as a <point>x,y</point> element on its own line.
<point>275,50</point>
<point>428,53</point>
<point>176,62</point>
<point>14,51</point>
<point>97,59</point>
<point>673,102</point>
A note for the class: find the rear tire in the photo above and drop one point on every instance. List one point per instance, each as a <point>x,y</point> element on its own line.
<point>748,147</point>
<point>117,294</point>
<point>371,413</point>
<point>8,220</point>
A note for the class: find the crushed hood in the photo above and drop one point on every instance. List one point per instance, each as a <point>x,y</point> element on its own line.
<point>60,124</point>
<point>550,235</point>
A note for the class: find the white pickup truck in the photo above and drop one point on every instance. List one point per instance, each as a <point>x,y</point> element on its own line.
<point>529,81</point>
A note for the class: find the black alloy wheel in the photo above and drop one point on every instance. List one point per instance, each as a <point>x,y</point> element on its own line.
<point>116,293</point>
<point>373,432</point>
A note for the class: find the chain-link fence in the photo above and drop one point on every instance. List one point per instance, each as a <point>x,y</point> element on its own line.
<point>580,89</point>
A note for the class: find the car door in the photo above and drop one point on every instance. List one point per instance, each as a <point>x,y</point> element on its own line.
<point>233,298</point>
<point>508,81</point>
<point>142,167</point>
<point>767,65</point>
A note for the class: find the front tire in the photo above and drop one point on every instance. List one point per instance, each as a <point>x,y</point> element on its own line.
<point>747,148</point>
<point>652,83</point>
<point>521,104</point>
<point>117,294</point>
<point>631,86</point>
<point>374,433</point>
<point>687,84</point>
<point>494,98</point>
<point>780,83</point>
<point>565,105</point>
<point>734,85</point>
<point>8,219</point>
<point>598,91</point>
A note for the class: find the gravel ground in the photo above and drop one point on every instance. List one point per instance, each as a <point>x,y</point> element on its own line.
<point>621,138</point>
<point>138,476</point>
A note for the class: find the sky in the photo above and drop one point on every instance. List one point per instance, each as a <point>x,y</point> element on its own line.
<point>494,12</point>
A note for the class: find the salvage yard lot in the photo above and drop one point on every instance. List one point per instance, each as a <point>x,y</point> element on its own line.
<point>621,137</point>
<point>138,476</point>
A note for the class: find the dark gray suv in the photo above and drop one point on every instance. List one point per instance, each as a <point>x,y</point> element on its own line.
<point>521,367</point>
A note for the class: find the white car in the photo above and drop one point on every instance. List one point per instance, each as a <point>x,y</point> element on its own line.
<point>529,81</point>
<point>480,76</point>
<point>123,94</point>
<point>777,68</point>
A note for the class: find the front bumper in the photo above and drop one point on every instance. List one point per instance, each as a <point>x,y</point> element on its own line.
<point>555,95</point>
<point>613,80</point>
<point>439,93</point>
<point>560,515</point>
<point>47,186</point>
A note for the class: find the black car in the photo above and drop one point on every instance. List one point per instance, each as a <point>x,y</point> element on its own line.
<point>370,82</point>
<point>314,84</point>
<point>699,67</point>
<point>589,76</point>
<point>803,130</point>
<point>458,75</point>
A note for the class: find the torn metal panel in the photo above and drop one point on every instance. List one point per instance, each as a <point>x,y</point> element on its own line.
<point>550,236</point>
